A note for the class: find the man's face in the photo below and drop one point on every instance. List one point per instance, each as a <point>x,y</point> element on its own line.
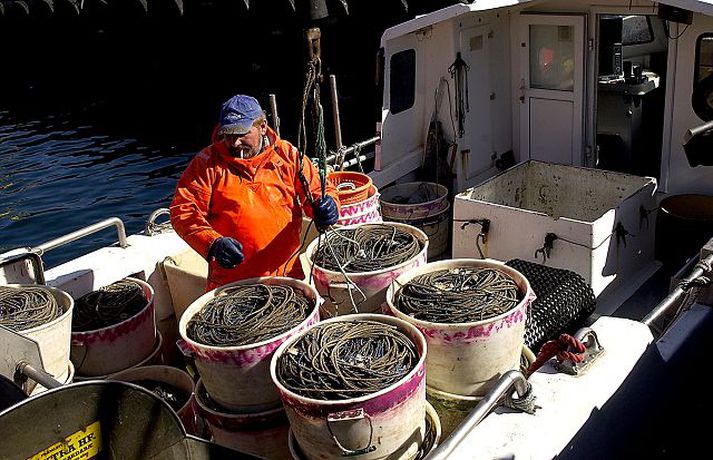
<point>246,145</point>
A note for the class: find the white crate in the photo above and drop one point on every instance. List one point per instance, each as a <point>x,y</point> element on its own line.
<point>582,206</point>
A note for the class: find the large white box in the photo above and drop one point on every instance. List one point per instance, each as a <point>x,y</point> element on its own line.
<point>604,221</point>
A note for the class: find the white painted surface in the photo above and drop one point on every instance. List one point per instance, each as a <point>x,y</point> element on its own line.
<point>566,401</point>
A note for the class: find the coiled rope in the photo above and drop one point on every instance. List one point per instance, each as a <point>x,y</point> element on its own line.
<point>27,307</point>
<point>249,314</point>
<point>367,248</point>
<point>458,295</point>
<point>346,359</point>
<point>108,306</point>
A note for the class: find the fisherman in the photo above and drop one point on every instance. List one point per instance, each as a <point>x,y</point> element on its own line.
<point>240,201</point>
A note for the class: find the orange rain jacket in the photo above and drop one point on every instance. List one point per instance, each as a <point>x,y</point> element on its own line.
<point>258,201</point>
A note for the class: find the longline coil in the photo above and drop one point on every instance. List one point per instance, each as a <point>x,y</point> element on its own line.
<point>249,313</point>
<point>367,248</point>
<point>108,306</point>
<point>26,307</point>
<point>458,295</point>
<point>346,359</point>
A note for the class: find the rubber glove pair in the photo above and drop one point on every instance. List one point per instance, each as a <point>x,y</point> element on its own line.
<point>228,252</point>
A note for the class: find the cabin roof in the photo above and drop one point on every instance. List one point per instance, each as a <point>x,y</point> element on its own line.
<point>698,6</point>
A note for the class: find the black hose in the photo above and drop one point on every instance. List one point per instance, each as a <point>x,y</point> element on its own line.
<point>108,306</point>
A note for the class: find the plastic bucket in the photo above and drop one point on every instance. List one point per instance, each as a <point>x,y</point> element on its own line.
<point>53,338</point>
<point>683,225</point>
<point>336,290</point>
<point>155,358</point>
<point>436,226</point>
<point>374,426</point>
<point>433,436</point>
<point>365,211</point>
<point>238,378</point>
<point>428,199</point>
<point>352,187</point>
<point>468,358</point>
<point>263,433</point>
<point>117,347</point>
<point>170,376</point>
<point>64,379</point>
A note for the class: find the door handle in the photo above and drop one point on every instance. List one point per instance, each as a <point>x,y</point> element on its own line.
<point>523,91</point>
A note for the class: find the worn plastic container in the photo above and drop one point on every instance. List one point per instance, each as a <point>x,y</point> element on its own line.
<point>413,200</point>
<point>452,408</point>
<point>155,358</point>
<point>336,290</point>
<point>376,426</point>
<point>238,377</point>
<point>436,226</point>
<point>114,348</point>
<point>173,377</point>
<point>261,433</point>
<point>366,211</point>
<point>53,338</point>
<point>469,358</point>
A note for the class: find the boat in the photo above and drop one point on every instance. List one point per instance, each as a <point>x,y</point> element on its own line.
<point>601,107</point>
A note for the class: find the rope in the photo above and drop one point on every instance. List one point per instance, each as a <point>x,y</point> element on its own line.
<point>346,359</point>
<point>27,307</point>
<point>367,248</point>
<point>459,72</point>
<point>248,314</point>
<point>524,403</point>
<point>311,92</point>
<point>458,295</point>
<point>108,306</point>
<point>482,236</point>
<point>564,348</point>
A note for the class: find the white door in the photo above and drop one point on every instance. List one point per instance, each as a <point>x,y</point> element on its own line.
<point>552,88</point>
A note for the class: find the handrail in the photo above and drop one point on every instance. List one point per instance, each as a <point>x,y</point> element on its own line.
<point>152,228</point>
<point>504,385</point>
<point>350,149</point>
<point>37,266</point>
<point>82,232</point>
<point>673,297</point>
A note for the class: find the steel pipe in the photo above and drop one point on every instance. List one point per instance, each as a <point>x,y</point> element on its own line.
<point>82,232</point>
<point>360,145</point>
<point>38,375</point>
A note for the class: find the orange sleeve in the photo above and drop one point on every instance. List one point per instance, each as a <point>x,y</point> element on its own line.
<point>315,185</point>
<point>191,203</point>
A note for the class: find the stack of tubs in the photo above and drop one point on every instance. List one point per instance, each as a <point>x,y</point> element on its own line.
<point>235,395</point>
<point>337,290</point>
<point>466,359</point>
<point>424,205</point>
<point>53,339</point>
<point>131,343</point>
<point>392,423</point>
<point>358,198</point>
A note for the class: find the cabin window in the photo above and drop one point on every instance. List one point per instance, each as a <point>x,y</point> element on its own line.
<point>402,81</point>
<point>703,78</point>
<point>636,30</point>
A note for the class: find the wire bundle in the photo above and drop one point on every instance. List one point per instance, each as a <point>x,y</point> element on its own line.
<point>247,314</point>
<point>346,359</point>
<point>458,295</point>
<point>27,307</point>
<point>367,248</point>
<point>108,306</point>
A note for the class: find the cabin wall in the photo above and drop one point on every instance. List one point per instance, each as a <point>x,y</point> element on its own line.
<point>677,176</point>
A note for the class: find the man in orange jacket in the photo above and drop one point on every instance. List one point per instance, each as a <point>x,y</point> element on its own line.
<point>239,202</point>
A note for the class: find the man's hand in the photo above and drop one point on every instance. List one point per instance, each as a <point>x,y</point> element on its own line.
<point>325,212</point>
<point>228,252</point>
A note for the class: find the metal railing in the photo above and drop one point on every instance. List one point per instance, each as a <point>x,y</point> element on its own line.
<point>82,232</point>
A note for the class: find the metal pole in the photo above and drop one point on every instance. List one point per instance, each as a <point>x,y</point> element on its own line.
<point>360,145</point>
<point>39,376</point>
<point>273,111</point>
<point>507,381</point>
<point>673,297</point>
<point>335,111</point>
<point>82,232</point>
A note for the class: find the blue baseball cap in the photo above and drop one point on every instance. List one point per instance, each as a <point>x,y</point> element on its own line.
<point>238,114</point>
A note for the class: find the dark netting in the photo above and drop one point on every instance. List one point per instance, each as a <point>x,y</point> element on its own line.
<point>564,300</point>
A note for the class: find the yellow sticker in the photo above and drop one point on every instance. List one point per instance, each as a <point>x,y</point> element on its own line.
<point>84,444</point>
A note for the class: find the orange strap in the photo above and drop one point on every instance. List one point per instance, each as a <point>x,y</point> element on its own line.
<point>564,348</point>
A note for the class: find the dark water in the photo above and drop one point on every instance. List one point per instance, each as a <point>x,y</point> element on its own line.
<point>100,112</point>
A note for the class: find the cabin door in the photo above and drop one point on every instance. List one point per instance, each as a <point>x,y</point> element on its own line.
<point>552,88</point>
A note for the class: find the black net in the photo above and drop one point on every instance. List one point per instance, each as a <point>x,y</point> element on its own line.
<point>563,301</point>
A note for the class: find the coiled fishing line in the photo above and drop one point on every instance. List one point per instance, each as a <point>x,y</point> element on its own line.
<point>367,248</point>
<point>458,295</point>
<point>346,359</point>
<point>249,313</point>
<point>27,307</point>
<point>108,306</point>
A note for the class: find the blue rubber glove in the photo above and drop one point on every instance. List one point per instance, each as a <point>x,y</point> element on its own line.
<point>325,212</point>
<point>228,252</point>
